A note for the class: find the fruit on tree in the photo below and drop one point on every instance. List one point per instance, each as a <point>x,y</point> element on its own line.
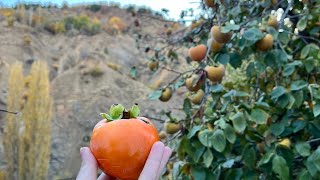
<point>121,143</point>
<point>153,65</point>
<point>162,134</point>
<point>209,3</point>
<point>215,73</point>
<point>166,94</point>
<point>215,46</point>
<point>272,21</point>
<point>265,43</point>
<point>172,128</point>
<point>192,85</point>
<point>197,98</point>
<point>219,36</point>
<point>198,53</point>
<point>285,142</point>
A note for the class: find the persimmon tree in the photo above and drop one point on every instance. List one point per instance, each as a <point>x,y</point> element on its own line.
<point>254,112</point>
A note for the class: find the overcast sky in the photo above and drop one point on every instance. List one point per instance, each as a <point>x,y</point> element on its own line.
<point>174,6</point>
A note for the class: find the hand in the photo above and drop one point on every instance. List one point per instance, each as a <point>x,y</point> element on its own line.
<point>155,164</point>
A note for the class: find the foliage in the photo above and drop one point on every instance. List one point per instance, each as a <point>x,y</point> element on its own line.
<point>28,134</point>
<point>94,7</point>
<point>263,120</point>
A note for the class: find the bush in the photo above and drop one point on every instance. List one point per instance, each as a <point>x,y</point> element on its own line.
<point>94,7</point>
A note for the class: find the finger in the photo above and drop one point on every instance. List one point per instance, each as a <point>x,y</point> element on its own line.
<point>166,155</point>
<point>103,176</point>
<point>150,170</point>
<point>89,166</point>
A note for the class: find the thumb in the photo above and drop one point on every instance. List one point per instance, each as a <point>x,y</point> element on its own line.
<point>89,167</point>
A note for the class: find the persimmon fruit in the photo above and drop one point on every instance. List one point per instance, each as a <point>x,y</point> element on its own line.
<point>272,21</point>
<point>265,43</point>
<point>193,86</point>
<point>121,143</point>
<point>166,94</point>
<point>215,73</point>
<point>198,53</point>
<point>172,128</point>
<point>197,98</point>
<point>219,36</point>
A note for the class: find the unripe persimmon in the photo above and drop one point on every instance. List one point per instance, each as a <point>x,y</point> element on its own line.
<point>272,21</point>
<point>219,36</point>
<point>172,128</point>
<point>285,142</point>
<point>198,53</point>
<point>215,46</point>
<point>197,98</point>
<point>215,73</point>
<point>265,43</point>
<point>162,134</point>
<point>193,86</point>
<point>166,95</point>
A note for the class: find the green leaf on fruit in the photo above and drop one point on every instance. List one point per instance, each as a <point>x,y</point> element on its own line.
<point>134,111</point>
<point>155,95</point>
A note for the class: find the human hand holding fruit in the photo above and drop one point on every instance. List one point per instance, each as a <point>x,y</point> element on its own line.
<point>120,146</point>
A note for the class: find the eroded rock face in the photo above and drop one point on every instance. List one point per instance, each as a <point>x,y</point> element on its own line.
<point>88,75</point>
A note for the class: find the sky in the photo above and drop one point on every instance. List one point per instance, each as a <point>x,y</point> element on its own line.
<point>174,6</point>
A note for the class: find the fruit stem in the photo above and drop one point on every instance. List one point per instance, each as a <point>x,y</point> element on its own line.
<point>117,111</point>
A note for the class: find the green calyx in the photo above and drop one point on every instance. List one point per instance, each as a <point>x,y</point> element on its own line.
<point>117,111</point>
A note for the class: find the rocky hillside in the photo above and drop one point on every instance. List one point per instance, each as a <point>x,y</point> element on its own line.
<point>88,72</point>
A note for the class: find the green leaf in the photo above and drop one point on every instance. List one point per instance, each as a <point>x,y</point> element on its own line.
<point>230,133</point>
<point>277,128</point>
<point>105,116</point>
<point>228,164</point>
<point>305,51</point>
<point>216,88</point>
<point>265,158</point>
<point>288,70</point>
<point>116,111</point>
<point>230,27</point>
<point>207,158</point>
<point>309,64</point>
<point>253,34</point>
<point>303,148</point>
<point>204,137</point>
<point>302,24</point>
<point>155,95</point>
<point>239,122</point>
<point>223,58</point>
<point>316,108</point>
<point>218,140</point>
<point>279,166</point>
<point>259,116</point>
<point>298,85</point>
<point>313,162</point>
<point>193,131</point>
<point>198,173</point>
<point>249,157</point>
<point>277,92</point>
<point>134,111</point>
<point>304,175</point>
